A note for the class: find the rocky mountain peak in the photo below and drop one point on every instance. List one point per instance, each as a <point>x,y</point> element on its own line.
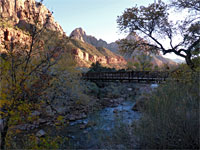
<point>80,31</point>
<point>23,12</point>
<point>78,34</point>
<point>81,35</point>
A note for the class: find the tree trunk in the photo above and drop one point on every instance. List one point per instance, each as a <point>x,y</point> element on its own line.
<point>189,62</point>
<point>4,134</point>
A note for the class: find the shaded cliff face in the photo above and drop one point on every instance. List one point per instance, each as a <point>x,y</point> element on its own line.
<point>23,12</point>
<point>80,34</point>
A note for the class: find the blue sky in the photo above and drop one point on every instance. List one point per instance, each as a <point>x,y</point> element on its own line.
<point>96,17</point>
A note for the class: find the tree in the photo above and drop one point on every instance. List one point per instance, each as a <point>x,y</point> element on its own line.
<point>152,23</point>
<point>192,5</point>
<point>26,71</point>
<point>140,62</point>
<point>97,67</point>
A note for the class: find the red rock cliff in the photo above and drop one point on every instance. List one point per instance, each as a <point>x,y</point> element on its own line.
<point>84,59</point>
<point>25,11</point>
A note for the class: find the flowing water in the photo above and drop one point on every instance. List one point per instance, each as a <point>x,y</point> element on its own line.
<point>90,133</point>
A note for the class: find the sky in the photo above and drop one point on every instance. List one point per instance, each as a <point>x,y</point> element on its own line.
<point>96,17</point>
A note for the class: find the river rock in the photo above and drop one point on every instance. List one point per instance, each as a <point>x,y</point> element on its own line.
<point>49,111</point>
<point>61,110</point>
<point>91,124</point>
<point>40,133</point>
<point>42,121</point>
<point>120,99</point>
<point>35,113</point>
<point>83,126</point>
<point>81,116</point>
<point>115,111</point>
<point>22,127</point>
<point>154,86</point>
<point>85,132</point>
<point>72,117</point>
<point>71,136</point>
<point>129,89</point>
<point>84,116</point>
<point>27,127</point>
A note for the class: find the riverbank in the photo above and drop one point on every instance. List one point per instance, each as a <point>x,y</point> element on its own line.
<point>88,125</point>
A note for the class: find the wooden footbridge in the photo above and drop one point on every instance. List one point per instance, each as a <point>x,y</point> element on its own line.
<point>130,76</point>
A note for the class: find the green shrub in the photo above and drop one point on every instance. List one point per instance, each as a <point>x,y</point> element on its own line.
<point>97,67</point>
<point>171,118</point>
<point>91,88</point>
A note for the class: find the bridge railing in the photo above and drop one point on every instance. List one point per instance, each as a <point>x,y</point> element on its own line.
<point>129,75</point>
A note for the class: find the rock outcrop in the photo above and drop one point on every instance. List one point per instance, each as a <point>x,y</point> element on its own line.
<point>25,12</point>
<point>85,59</point>
<point>8,34</point>
<point>80,34</point>
<point>107,57</point>
<point>18,18</point>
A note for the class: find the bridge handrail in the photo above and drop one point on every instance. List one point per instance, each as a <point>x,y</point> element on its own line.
<point>126,74</point>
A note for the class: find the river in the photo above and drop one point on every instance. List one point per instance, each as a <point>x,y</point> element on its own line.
<point>94,131</point>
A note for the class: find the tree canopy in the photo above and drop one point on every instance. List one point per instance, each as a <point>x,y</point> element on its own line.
<point>160,33</point>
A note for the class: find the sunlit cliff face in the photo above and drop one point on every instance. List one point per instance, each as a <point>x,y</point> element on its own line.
<point>84,59</point>
<point>20,11</point>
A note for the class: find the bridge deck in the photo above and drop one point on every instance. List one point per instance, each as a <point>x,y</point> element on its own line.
<point>138,76</point>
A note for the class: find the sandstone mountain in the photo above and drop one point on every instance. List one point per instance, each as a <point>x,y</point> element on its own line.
<point>17,17</point>
<point>85,49</point>
<point>24,12</point>
<point>81,35</point>
<point>92,50</point>
<point>85,54</point>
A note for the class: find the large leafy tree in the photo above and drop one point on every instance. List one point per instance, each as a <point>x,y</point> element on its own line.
<point>159,33</point>
<point>26,71</point>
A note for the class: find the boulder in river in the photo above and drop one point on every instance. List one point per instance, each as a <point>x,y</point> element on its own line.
<point>115,111</point>
<point>40,133</point>
<point>83,126</point>
<point>129,89</point>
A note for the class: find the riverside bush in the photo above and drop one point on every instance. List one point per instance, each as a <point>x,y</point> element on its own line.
<point>171,117</point>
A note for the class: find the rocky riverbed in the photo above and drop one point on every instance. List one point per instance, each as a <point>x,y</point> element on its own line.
<point>93,131</point>
<point>90,126</point>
